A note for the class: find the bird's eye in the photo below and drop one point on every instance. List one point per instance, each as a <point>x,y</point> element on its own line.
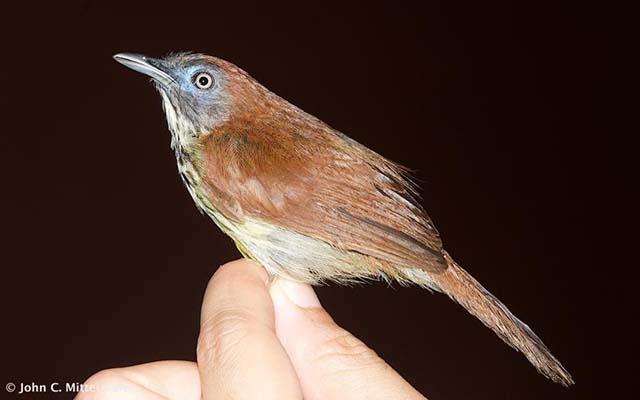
<point>203,80</point>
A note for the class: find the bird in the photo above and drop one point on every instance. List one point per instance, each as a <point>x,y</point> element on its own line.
<point>306,201</point>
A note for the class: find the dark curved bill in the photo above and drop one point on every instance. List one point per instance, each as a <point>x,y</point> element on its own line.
<point>145,65</point>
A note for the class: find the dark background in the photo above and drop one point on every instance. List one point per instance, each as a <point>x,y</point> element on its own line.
<point>501,109</point>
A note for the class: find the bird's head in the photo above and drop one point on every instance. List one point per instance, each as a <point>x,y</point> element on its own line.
<point>199,92</point>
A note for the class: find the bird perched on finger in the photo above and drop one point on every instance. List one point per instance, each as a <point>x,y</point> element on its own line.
<point>306,201</point>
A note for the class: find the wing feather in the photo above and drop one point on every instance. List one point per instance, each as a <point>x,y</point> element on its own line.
<point>317,182</point>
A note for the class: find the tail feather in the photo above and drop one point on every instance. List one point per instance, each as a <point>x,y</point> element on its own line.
<point>466,291</point>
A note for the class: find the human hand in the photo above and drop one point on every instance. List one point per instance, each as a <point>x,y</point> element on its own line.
<point>261,341</point>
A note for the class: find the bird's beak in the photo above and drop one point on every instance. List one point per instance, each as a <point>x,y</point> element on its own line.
<point>146,65</point>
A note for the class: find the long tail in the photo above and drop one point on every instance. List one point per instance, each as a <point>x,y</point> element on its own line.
<point>466,291</point>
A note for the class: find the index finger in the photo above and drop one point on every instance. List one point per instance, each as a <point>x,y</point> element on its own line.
<point>330,362</point>
<point>239,355</point>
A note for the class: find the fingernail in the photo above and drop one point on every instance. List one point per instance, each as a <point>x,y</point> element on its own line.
<point>300,294</point>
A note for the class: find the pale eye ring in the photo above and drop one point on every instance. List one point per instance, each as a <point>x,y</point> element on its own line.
<point>203,80</point>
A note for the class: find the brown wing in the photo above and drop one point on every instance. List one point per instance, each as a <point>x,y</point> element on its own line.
<point>315,181</point>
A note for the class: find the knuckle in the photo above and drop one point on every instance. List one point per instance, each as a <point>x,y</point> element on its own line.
<point>221,333</point>
<point>340,351</point>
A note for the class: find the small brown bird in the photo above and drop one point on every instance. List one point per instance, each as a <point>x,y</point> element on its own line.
<point>304,200</point>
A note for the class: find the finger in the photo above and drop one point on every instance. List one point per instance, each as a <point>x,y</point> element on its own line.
<point>239,355</point>
<point>330,362</point>
<point>160,380</point>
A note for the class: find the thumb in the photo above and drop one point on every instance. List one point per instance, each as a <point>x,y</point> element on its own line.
<point>330,362</point>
